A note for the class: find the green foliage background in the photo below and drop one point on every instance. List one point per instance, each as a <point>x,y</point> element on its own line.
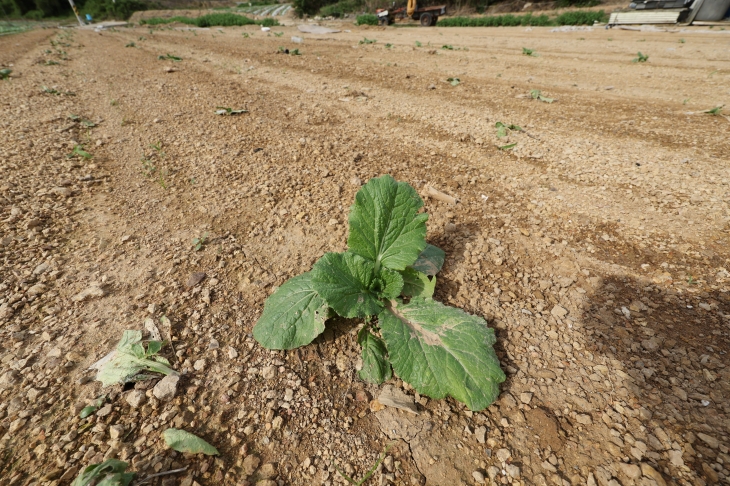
<point>98,9</point>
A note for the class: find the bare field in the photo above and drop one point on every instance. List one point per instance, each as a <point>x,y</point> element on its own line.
<point>596,246</point>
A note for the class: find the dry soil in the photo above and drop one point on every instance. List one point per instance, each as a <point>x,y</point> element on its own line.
<point>596,246</point>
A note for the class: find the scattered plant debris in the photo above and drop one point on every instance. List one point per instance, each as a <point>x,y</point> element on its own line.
<point>86,411</point>
<point>221,110</point>
<point>529,52</point>
<point>714,111</point>
<point>5,73</point>
<point>169,57</point>
<point>183,441</point>
<point>454,81</point>
<point>537,95</point>
<point>370,472</point>
<point>108,473</point>
<point>507,147</point>
<point>131,44</point>
<point>79,151</point>
<point>130,359</point>
<point>503,129</point>
<point>641,57</point>
<point>365,40</point>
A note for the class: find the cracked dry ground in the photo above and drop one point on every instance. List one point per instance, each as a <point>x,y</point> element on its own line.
<point>597,248</point>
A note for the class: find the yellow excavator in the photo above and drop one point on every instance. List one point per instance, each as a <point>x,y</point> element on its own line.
<point>426,16</point>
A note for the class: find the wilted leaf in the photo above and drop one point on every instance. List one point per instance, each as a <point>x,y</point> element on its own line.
<point>86,411</point>
<point>111,472</point>
<point>126,362</point>
<point>183,441</point>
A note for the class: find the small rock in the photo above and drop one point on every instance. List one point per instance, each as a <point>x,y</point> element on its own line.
<point>16,425</point>
<point>249,465</point>
<point>362,396</point>
<point>33,394</point>
<point>116,431</point>
<point>268,471</point>
<point>62,191</point>
<point>631,471</point>
<point>478,477</point>
<point>135,398</point>
<point>232,353</point>
<point>525,397</point>
<point>559,311</point>
<point>266,482</point>
<point>199,365</point>
<point>492,472</point>
<point>41,268</point>
<point>709,440</point>
<point>166,388</point>
<point>9,378</point>
<point>512,471</point>
<point>584,419</point>
<point>68,475</point>
<point>710,473</point>
<point>650,344</point>
<point>194,279</point>
<point>104,411</point>
<point>376,406</point>
<point>503,454</point>
<point>90,292</point>
<point>652,473</point>
<point>480,434</point>
<point>675,457</point>
<point>268,372</point>
<point>37,289</point>
<point>394,397</point>
<point>679,393</point>
<point>355,181</point>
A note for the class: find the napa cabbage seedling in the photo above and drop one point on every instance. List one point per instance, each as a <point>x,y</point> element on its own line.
<point>503,129</point>
<point>387,277</point>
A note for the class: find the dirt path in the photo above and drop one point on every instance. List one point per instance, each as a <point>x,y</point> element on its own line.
<point>597,247</point>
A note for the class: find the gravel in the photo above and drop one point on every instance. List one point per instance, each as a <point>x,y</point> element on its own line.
<point>596,248</point>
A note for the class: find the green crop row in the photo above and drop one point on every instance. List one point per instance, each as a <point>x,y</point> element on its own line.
<point>509,20</point>
<point>212,20</point>
<point>367,19</point>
